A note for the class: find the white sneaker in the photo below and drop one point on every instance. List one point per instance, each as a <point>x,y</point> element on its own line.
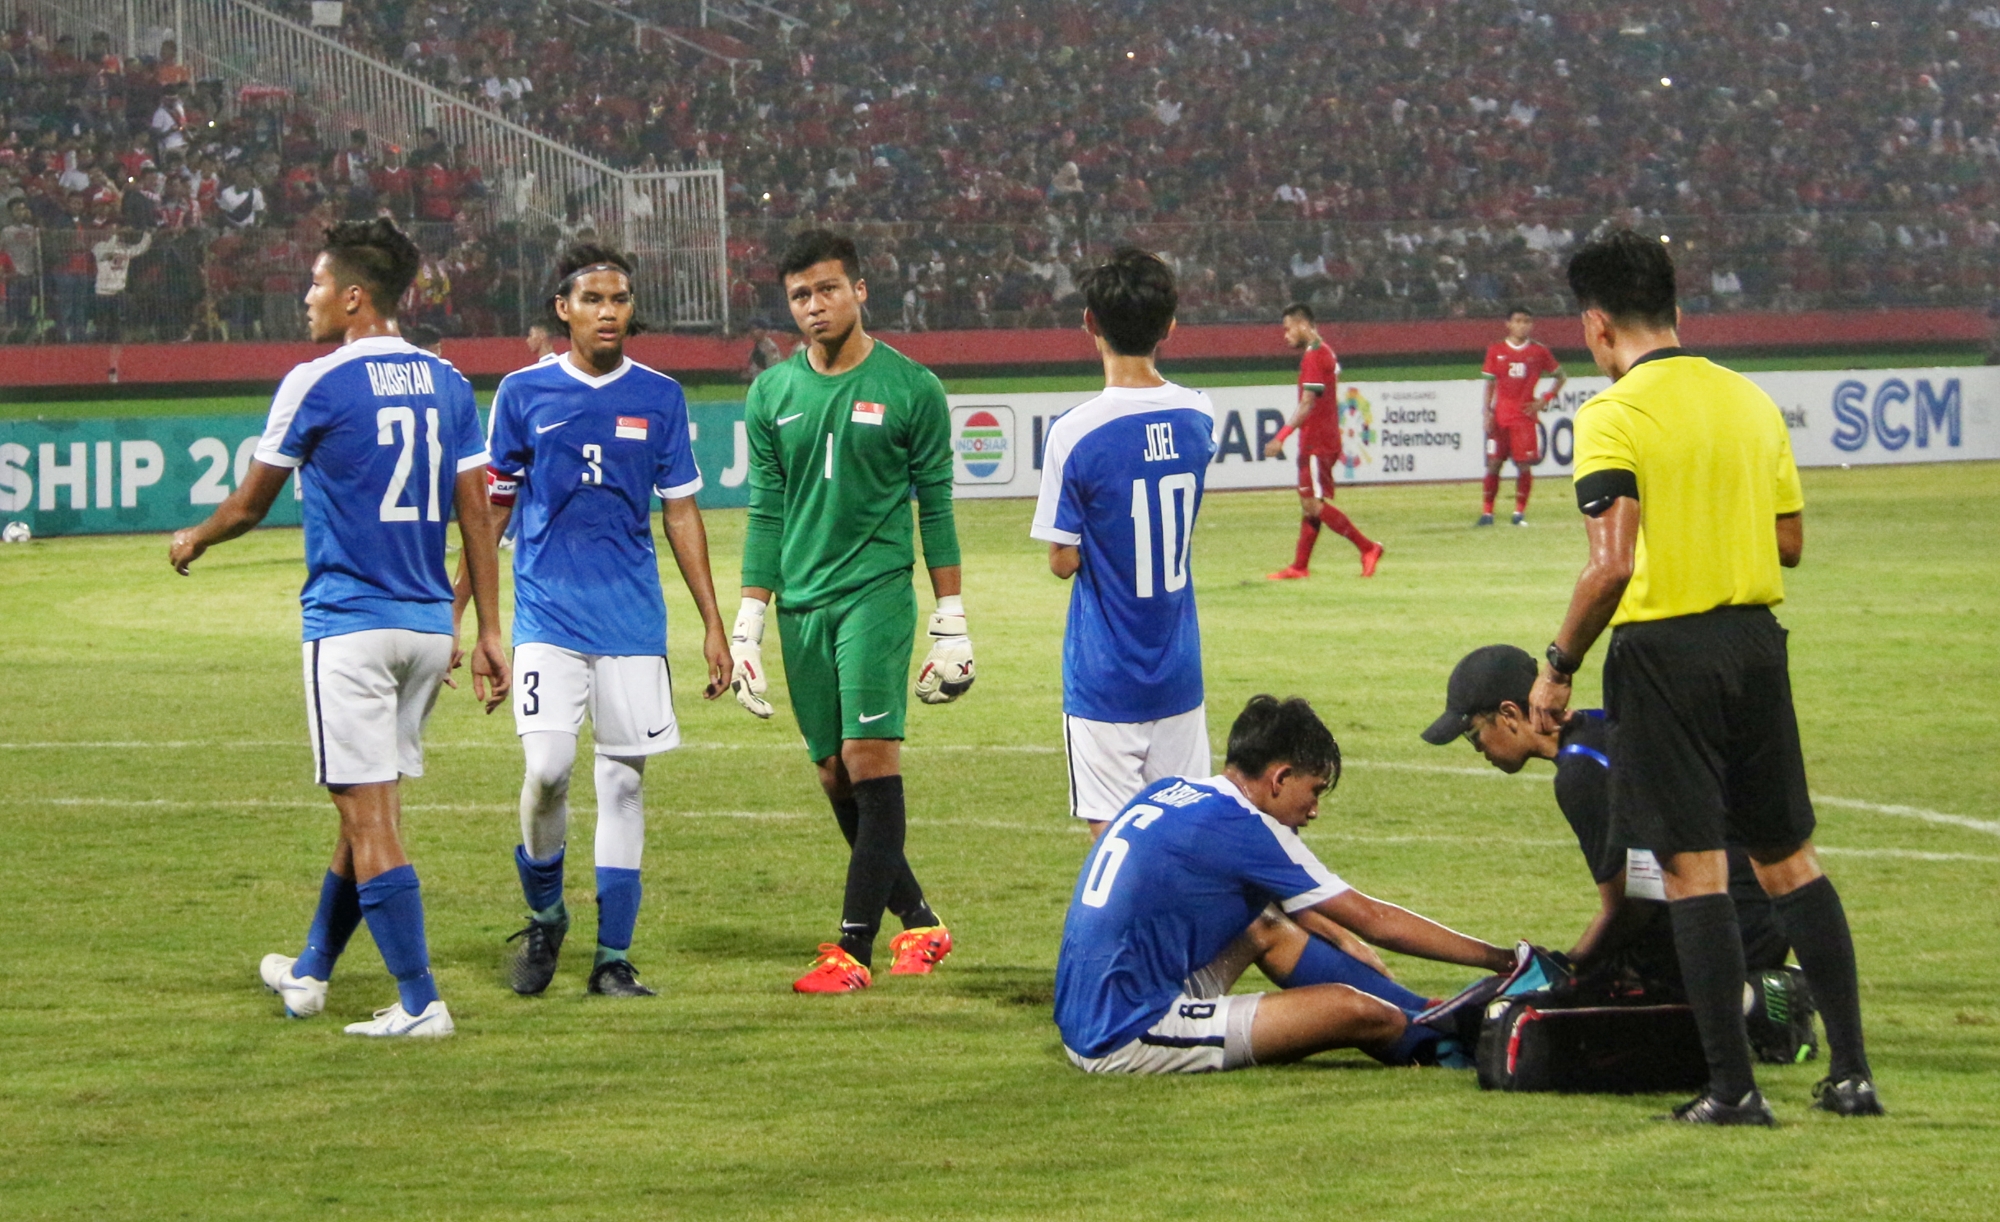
<point>435,1020</point>
<point>303,995</point>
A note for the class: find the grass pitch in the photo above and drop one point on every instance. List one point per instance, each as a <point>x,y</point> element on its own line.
<point>159,834</point>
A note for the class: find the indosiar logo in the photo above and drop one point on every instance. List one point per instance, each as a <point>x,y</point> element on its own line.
<point>982,441</point>
<point>1929,410</point>
<point>1357,430</point>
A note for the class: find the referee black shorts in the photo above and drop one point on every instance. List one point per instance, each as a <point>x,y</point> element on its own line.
<point>1703,734</point>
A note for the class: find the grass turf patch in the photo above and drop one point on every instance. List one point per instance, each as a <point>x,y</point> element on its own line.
<point>160,835</point>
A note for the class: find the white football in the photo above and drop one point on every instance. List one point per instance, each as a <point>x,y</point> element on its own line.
<point>16,532</point>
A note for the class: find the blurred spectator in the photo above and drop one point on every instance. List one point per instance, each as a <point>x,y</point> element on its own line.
<point>114,257</point>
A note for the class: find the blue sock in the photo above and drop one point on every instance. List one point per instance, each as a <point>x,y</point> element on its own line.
<point>1417,1046</point>
<point>394,907</point>
<point>541,881</point>
<point>333,924</point>
<point>617,907</point>
<point>1325,963</point>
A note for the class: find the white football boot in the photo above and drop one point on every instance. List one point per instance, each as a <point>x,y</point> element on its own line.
<point>434,1021</point>
<point>303,996</point>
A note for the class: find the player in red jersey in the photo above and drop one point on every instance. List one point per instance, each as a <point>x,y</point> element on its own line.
<point>1317,422</point>
<point>1514,367</point>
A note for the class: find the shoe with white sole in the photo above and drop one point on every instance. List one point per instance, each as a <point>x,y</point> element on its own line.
<point>434,1021</point>
<point>303,996</point>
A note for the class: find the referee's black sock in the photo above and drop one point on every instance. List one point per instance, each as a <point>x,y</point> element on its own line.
<point>906,898</point>
<point>1710,948</point>
<point>1816,924</point>
<point>874,864</point>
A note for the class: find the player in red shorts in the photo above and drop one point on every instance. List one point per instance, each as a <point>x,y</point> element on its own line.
<point>1514,367</point>
<point>1317,422</point>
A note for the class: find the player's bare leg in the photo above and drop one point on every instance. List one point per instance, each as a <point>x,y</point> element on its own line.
<point>370,851</point>
<point>301,982</point>
<point>1299,1022</point>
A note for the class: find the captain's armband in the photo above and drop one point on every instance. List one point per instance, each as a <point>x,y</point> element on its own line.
<point>1596,492</point>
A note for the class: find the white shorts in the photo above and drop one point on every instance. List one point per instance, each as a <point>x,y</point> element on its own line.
<point>367,696</point>
<point>1111,761</point>
<point>630,699</point>
<point>1196,1035</point>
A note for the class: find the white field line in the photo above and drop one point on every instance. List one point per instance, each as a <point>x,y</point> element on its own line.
<point>1990,827</point>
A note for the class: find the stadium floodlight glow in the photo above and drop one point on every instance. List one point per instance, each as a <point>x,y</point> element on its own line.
<point>1667,238</point>
<point>1667,82</point>
<point>1131,55</point>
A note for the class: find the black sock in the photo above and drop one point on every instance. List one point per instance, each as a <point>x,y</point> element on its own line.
<point>875,863</point>
<point>1816,924</point>
<point>1710,948</point>
<point>906,898</point>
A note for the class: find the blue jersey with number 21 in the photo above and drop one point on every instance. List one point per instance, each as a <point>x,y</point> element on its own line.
<point>1183,870</point>
<point>378,431</point>
<point>1122,480</point>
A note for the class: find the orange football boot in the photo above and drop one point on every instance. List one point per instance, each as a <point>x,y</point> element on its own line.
<point>835,971</point>
<point>919,950</point>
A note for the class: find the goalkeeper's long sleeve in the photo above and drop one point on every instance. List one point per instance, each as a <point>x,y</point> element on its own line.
<point>939,526</point>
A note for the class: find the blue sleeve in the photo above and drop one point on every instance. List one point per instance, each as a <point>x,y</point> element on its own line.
<point>1069,502</point>
<point>1271,858</point>
<point>676,476</point>
<point>507,449</point>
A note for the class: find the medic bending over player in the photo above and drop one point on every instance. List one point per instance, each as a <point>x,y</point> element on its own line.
<point>1317,422</point>
<point>1514,367</point>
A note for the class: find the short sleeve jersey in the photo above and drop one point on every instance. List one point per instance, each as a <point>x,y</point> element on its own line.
<point>1712,462</point>
<point>1176,877</point>
<point>1515,373</point>
<point>1319,371</point>
<point>581,457</point>
<point>833,461</point>
<point>378,432</point>
<point>1122,480</point>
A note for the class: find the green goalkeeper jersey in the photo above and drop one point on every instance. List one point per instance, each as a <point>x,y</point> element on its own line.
<point>833,461</point>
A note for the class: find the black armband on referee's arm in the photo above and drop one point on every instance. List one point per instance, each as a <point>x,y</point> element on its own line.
<point>1596,491</point>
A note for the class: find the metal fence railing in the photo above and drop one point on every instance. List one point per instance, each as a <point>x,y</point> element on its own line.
<point>672,220</point>
<point>949,275</point>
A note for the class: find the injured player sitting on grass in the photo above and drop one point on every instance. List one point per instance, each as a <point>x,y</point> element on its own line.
<point>1172,907</point>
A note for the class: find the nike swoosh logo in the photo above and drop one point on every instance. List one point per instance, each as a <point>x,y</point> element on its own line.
<point>547,428</point>
<point>662,730</point>
<point>784,420</point>
<point>865,720</point>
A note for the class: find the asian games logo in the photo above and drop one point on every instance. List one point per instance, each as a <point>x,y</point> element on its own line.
<point>1357,430</point>
<point>982,441</point>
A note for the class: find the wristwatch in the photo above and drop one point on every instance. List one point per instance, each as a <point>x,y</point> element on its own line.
<point>1561,662</point>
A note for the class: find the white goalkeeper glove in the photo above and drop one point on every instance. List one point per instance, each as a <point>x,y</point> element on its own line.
<point>746,651</point>
<point>947,669</point>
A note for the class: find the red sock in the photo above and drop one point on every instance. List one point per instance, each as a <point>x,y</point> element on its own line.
<point>1524,483</point>
<point>1340,525</point>
<point>1490,489</point>
<point>1308,535</point>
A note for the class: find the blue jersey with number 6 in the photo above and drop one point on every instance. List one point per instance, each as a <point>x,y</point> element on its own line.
<point>379,431</point>
<point>581,457</point>
<point>1122,479</point>
<point>1183,870</point>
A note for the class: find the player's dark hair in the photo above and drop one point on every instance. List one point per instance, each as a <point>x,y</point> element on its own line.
<point>376,255</point>
<point>811,246</point>
<point>1299,309</point>
<point>1133,298</point>
<point>1519,309</point>
<point>580,257</point>
<point>421,335</point>
<point>1273,731</point>
<point>1627,275</point>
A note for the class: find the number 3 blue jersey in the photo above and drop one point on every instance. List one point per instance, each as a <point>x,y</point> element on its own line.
<point>379,431</point>
<point>1176,877</point>
<point>1122,479</point>
<point>581,457</point>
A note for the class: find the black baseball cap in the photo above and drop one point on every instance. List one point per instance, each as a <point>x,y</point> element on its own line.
<point>1479,683</point>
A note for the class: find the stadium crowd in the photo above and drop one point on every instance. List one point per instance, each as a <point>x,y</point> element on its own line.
<point>1379,160</point>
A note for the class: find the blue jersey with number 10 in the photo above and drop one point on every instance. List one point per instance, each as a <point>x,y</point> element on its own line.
<point>379,431</point>
<point>1122,480</point>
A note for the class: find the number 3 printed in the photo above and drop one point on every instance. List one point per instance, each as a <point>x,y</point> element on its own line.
<point>594,455</point>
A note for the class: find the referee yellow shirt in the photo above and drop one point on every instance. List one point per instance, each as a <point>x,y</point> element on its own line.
<point>1712,460</point>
